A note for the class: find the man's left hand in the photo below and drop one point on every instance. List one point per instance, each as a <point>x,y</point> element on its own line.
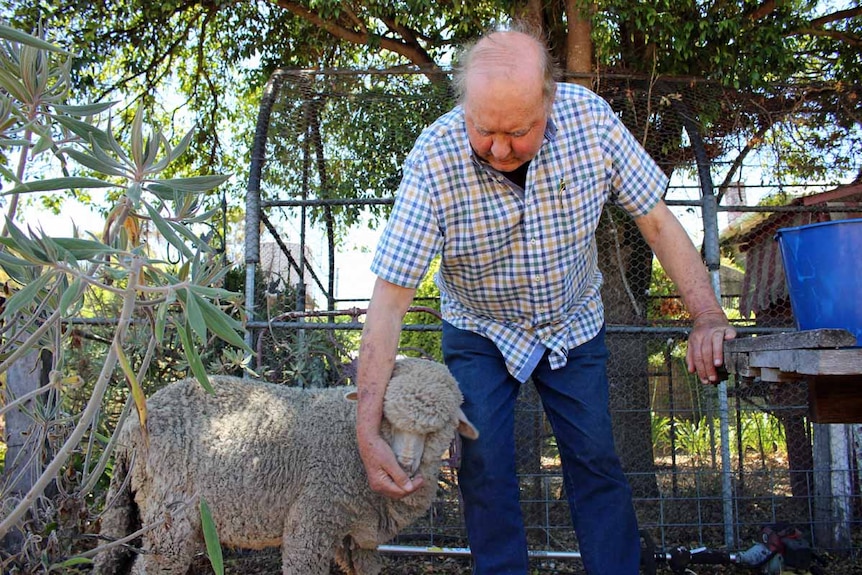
<point>706,345</point>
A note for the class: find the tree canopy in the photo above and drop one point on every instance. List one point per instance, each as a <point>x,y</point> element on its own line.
<point>214,58</point>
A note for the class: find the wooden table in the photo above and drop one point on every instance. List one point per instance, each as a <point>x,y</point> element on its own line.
<point>825,358</point>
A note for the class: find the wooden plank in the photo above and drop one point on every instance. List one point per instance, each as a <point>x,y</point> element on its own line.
<point>773,375</point>
<point>806,339</point>
<point>847,361</point>
<point>836,399</point>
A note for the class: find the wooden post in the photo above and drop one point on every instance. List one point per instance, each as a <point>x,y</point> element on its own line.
<point>833,486</point>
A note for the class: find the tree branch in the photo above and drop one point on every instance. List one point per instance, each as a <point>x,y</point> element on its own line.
<point>763,10</point>
<point>413,53</point>
<point>816,27</point>
<point>835,16</point>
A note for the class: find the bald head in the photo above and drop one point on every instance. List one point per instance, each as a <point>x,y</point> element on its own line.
<point>508,57</point>
<point>505,97</point>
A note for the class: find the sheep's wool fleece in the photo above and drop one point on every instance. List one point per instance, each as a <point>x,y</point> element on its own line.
<point>278,466</point>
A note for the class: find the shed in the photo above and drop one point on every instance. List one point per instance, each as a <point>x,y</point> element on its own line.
<point>764,289</point>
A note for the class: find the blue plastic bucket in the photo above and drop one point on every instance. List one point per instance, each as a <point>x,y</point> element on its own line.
<point>823,268</point>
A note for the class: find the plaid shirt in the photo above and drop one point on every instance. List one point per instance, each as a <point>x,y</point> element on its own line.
<point>519,266</point>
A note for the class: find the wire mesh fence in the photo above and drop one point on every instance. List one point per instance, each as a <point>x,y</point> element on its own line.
<point>708,465</point>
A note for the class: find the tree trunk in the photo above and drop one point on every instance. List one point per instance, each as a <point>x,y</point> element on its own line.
<point>24,456</point>
<point>579,45</point>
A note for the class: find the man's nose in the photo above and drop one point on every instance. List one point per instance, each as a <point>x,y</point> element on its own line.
<point>500,147</point>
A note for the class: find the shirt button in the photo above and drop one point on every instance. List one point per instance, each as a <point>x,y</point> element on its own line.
<point>537,279</point>
<point>533,241</point>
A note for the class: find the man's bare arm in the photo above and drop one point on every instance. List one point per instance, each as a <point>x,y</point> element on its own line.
<point>683,264</point>
<point>377,351</point>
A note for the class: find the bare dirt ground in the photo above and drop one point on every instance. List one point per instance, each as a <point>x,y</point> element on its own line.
<point>268,562</point>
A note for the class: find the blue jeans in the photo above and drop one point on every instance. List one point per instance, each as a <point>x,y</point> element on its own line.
<point>575,400</point>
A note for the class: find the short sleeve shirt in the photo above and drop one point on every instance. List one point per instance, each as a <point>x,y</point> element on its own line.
<point>518,266</point>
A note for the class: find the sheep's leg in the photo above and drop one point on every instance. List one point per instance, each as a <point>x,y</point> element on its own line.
<point>306,547</point>
<point>354,560</point>
<point>364,561</point>
<point>171,546</point>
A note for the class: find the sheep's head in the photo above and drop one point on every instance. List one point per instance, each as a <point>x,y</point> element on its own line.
<point>422,401</point>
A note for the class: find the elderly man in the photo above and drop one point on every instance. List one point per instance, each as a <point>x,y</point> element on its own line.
<point>508,187</point>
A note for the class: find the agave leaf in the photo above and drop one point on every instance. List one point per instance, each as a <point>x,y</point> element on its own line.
<point>137,137</point>
<point>161,320</point>
<point>100,153</point>
<point>203,217</point>
<point>215,293</point>
<point>152,148</point>
<point>194,184</point>
<point>7,259</point>
<point>54,184</point>
<point>14,86</point>
<point>71,296</point>
<point>25,296</point>
<point>83,249</point>
<point>191,236</point>
<point>24,245</point>
<point>193,357</point>
<point>136,389</point>
<point>14,35</point>
<point>92,109</point>
<point>193,314</point>
<point>213,545</point>
<point>84,130</point>
<point>168,232</point>
<point>221,324</point>
<point>88,161</point>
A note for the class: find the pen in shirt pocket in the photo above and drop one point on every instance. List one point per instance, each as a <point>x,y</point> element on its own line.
<point>561,191</point>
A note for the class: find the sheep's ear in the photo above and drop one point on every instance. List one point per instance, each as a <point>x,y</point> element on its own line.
<point>352,395</point>
<point>465,428</point>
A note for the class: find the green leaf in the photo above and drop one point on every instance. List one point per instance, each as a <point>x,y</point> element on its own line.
<point>212,292</point>
<point>71,562</point>
<point>193,357</point>
<point>196,240</point>
<point>213,545</point>
<point>161,320</point>
<point>44,143</point>
<point>203,217</point>
<point>222,325</point>
<point>138,394</point>
<point>168,232</point>
<point>84,130</point>
<point>84,249</point>
<point>84,109</point>
<point>194,184</point>
<point>193,315</point>
<point>14,35</point>
<point>70,296</point>
<point>25,296</point>
<point>24,245</point>
<point>53,184</point>
<point>137,137</point>
<point>88,161</point>
<point>6,259</point>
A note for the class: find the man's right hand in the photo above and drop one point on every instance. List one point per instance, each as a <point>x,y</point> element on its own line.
<point>385,476</point>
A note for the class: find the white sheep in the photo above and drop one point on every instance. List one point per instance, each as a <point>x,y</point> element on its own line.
<point>277,466</point>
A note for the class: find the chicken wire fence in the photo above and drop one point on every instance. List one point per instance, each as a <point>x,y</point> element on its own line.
<point>709,465</point>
